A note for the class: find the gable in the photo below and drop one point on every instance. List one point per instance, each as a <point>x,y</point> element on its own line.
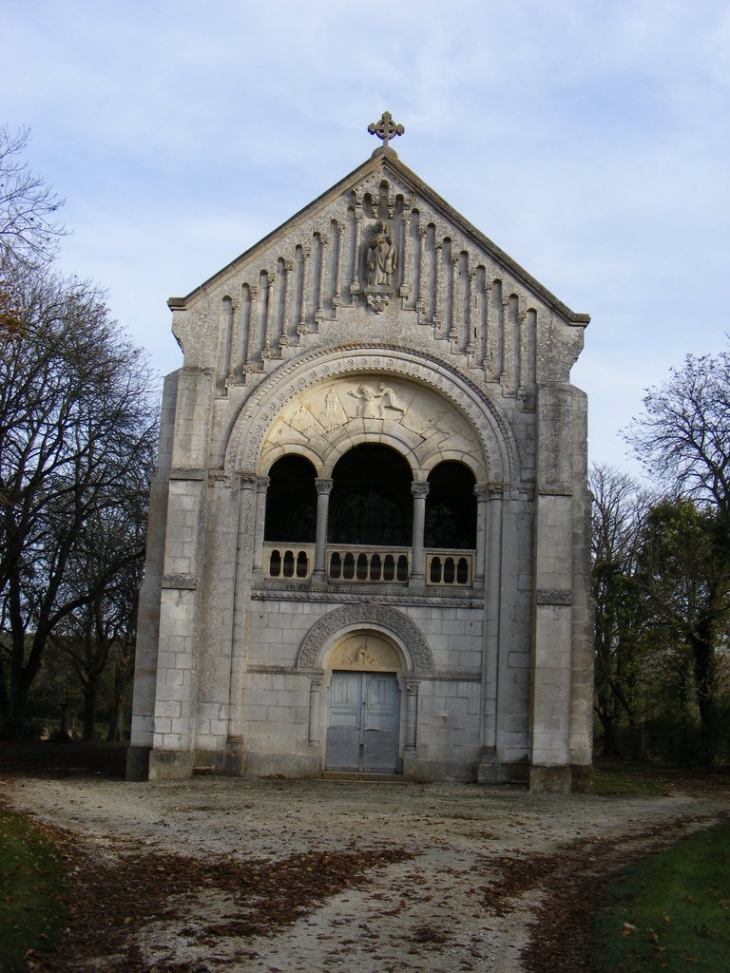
<point>380,254</point>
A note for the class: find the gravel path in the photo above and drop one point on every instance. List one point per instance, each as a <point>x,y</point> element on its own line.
<point>456,879</point>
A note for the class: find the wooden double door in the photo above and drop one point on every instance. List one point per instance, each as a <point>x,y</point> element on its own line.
<point>363,722</point>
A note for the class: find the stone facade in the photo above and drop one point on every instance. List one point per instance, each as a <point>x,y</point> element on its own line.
<point>369,525</point>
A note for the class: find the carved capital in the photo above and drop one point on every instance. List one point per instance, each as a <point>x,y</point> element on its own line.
<point>554,596</point>
<point>420,490</point>
<point>248,481</point>
<point>324,485</point>
<point>482,491</point>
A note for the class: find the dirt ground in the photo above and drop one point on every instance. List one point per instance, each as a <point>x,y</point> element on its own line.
<point>279,876</point>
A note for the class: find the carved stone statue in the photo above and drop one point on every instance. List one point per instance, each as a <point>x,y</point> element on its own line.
<point>381,256</point>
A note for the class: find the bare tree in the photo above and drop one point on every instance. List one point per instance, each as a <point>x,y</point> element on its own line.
<point>29,233</point>
<point>683,437</point>
<point>618,511</point>
<point>77,416</point>
<point>104,573</point>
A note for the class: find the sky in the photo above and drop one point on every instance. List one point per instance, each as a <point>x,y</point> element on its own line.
<point>589,140</point>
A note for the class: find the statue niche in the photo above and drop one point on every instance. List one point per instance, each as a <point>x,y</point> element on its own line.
<point>382,262</point>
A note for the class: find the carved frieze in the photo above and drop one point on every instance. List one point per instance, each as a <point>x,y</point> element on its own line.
<point>323,414</point>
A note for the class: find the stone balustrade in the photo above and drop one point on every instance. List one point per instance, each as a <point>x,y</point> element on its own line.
<point>366,564</point>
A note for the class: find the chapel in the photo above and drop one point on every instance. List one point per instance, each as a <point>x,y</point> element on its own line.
<point>368,548</point>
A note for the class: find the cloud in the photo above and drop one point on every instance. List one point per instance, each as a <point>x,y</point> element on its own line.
<point>587,140</point>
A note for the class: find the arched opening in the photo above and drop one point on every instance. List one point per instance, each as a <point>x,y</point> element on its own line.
<point>291,502</point>
<point>451,508</point>
<point>371,500</point>
<point>364,705</point>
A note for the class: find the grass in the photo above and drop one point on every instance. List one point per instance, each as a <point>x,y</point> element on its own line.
<point>670,911</point>
<point>32,908</point>
<point>623,782</point>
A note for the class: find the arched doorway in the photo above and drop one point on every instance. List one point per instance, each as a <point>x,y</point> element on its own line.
<point>364,706</point>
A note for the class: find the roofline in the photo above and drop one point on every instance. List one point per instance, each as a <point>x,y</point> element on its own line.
<point>388,157</point>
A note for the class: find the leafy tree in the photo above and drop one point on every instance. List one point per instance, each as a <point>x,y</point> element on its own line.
<point>683,440</point>
<point>77,424</point>
<point>685,572</point>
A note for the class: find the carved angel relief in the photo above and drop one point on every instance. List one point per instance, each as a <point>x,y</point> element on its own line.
<point>324,410</point>
<point>370,652</point>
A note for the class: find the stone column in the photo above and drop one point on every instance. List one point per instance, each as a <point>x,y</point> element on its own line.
<point>324,488</point>
<point>438,271</point>
<point>270,285</point>
<point>250,331</point>
<point>471,314</point>
<point>481,492</point>
<point>421,292</point>
<point>323,247</point>
<point>405,287</point>
<point>411,715</point>
<point>303,326</point>
<point>341,227</point>
<point>490,659</point>
<point>355,284</point>
<point>288,268</point>
<point>507,377</point>
<point>522,353</point>
<point>418,554</point>
<point>491,371</point>
<point>262,485</point>
<point>315,685</point>
<point>456,302</point>
<point>242,593</point>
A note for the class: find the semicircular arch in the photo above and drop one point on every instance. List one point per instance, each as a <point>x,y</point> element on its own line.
<point>258,414</point>
<point>333,626</point>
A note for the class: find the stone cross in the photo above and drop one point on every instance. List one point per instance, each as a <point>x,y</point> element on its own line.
<point>386,128</point>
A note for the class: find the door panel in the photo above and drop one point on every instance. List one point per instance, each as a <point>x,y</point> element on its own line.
<point>345,718</point>
<point>363,722</point>
<point>382,723</point>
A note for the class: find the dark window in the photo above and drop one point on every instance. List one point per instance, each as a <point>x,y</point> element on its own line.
<point>451,508</point>
<point>371,501</point>
<point>291,502</point>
